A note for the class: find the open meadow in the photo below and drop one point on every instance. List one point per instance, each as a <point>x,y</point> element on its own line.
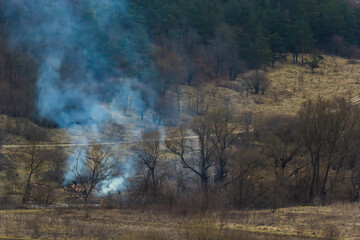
<point>338,221</point>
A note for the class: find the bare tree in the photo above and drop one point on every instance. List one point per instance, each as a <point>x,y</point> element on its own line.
<point>148,152</point>
<point>327,127</point>
<point>178,143</point>
<point>281,142</point>
<point>92,166</point>
<point>246,173</point>
<point>1,142</point>
<point>35,158</point>
<point>224,133</point>
<point>259,81</point>
<point>202,128</point>
<point>247,120</point>
<point>282,146</point>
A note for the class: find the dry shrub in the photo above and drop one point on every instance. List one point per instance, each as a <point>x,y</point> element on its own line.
<point>352,61</point>
<point>43,194</point>
<point>187,204</point>
<point>236,86</point>
<point>9,201</point>
<point>331,232</point>
<point>203,229</point>
<point>144,236</point>
<point>259,81</point>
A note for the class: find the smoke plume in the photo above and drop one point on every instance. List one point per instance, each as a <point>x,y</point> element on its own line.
<point>88,59</point>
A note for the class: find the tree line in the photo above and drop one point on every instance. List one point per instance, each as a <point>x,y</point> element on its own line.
<point>220,159</point>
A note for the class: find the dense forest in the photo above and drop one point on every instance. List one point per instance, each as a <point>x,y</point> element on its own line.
<point>165,43</point>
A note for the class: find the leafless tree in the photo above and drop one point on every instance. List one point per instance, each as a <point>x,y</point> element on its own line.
<point>246,173</point>
<point>259,81</point>
<point>1,142</point>
<point>281,142</point>
<point>224,133</point>
<point>179,144</point>
<point>92,166</point>
<point>147,151</point>
<point>202,128</point>
<point>35,158</point>
<point>282,145</point>
<point>247,120</point>
<point>327,127</point>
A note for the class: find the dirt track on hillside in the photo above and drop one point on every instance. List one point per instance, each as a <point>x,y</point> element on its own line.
<point>72,145</point>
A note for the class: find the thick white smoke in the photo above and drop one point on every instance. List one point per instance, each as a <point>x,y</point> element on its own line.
<point>80,86</point>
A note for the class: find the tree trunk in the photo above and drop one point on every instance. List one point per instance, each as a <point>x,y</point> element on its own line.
<point>178,101</point>
<point>204,192</point>
<point>27,189</point>
<point>154,183</point>
<point>323,187</point>
<point>302,54</point>
<point>314,180</point>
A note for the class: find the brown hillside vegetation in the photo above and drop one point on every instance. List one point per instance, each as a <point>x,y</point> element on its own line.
<point>291,85</point>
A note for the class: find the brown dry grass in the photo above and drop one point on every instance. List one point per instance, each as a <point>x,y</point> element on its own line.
<point>291,85</point>
<point>339,221</point>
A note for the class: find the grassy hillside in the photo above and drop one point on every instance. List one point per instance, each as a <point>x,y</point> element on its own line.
<point>291,84</point>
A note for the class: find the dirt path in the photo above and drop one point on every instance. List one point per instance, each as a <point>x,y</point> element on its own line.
<point>72,145</point>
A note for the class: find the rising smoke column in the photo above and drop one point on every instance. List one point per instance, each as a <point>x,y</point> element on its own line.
<point>81,47</point>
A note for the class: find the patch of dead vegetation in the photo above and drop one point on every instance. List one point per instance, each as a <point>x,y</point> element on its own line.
<point>290,86</point>
<point>339,221</point>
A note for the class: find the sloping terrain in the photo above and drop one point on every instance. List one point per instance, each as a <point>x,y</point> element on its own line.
<point>291,84</point>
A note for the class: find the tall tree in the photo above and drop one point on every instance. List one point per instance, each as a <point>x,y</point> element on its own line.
<point>327,129</point>
<point>148,152</point>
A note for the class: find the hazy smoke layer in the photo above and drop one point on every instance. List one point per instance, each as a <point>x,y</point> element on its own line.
<point>81,47</point>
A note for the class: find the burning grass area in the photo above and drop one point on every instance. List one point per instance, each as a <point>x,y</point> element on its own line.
<point>339,221</point>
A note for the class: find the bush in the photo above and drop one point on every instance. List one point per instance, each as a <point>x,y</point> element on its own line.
<point>259,81</point>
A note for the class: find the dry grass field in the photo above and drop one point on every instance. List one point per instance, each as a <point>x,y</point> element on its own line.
<point>339,221</point>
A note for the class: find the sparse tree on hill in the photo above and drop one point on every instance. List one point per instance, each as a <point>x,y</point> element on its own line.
<point>259,81</point>
<point>314,61</point>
